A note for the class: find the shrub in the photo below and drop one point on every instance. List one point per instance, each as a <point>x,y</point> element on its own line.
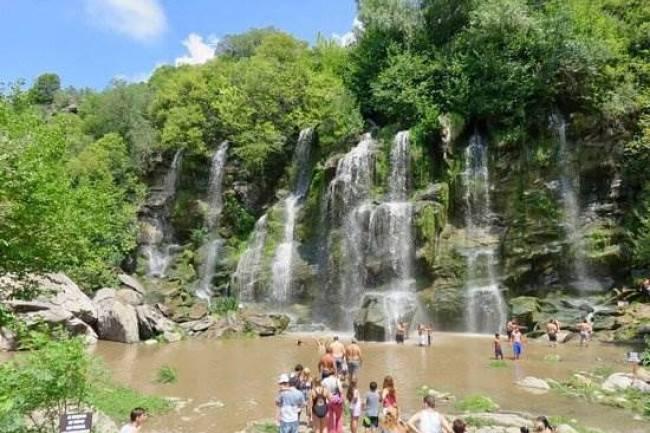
<point>476,403</point>
<point>166,374</point>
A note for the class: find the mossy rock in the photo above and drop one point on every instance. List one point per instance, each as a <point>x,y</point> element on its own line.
<point>524,309</point>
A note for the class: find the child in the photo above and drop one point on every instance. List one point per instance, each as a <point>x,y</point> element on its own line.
<point>371,403</point>
<point>498,353</point>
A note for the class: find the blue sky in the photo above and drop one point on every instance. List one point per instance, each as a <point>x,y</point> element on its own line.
<point>89,42</point>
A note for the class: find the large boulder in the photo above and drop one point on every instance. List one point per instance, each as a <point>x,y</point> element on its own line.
<point>623,381</point>
<point>55,291</point>
<point>130,297</point>
<point>379,312</point>
<point>534,384</point>
<point>117,321</point>
<point>265,325</point>
<point>8,340</point>
<point>152,323</point>
<point>130,282</point>
<point>524,309</point>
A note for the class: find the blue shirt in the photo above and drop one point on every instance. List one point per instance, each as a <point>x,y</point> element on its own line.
<point>290,401</point>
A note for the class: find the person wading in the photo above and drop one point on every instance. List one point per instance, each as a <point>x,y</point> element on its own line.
<point>326,363</point>
<point>400,332</point>
<point>389,394</point>
<point>289,403</point>
<point>338,351</point>
<point>551,331</point>
<point>353,359</point>
<point>335,404</point>
<point>586,330</point>
<point>355,405</point>
<point>319,400</point>
<point>428,420</point>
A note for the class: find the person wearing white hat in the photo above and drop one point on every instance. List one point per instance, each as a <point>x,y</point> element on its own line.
<point>289,403</point>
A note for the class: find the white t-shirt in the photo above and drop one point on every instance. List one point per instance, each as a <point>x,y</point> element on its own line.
<point>129,428</point>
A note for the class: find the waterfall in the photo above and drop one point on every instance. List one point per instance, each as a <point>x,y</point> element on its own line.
<point>212,247</point>
<point>569,187</point>
<point>485,307</point>
<point>376,240</point>
<point>348,205</point>
<point>283,259</point>
<point>400,163</point>
<point>249,266</point>
<point>157,246</point>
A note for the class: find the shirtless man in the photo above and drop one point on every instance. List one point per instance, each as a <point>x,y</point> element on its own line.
<point>586,330</point>
<point>353,359</point>
<point>338,351</point>
<point>510,326</point>
<point>327,362</point>
<point>400,333</point>
<point>551,331</point>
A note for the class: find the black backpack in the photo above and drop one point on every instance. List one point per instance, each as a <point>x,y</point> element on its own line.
<point>320,405</point>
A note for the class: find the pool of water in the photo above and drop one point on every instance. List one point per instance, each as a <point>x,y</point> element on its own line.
<point>227,383</point>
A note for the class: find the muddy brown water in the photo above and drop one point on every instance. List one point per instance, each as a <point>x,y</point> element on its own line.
<point>227,383</point>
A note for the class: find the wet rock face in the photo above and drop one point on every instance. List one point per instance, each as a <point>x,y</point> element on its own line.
<point>379,312</point>
<point>117,321</point>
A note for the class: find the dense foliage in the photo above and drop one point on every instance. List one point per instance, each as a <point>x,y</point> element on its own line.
<point>74,163</point>
<point>35,389</point>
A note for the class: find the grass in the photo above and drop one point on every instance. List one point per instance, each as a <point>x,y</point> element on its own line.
<point>552,358</point>
<point>476,403</point>
<point>498,363</point>
<point>558,420</point>
<point>117,401</point>
<point>166,374</point>
<point>265,427</point>
<point>629,399</point>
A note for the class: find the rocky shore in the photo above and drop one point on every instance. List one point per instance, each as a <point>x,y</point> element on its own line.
<point>128,313</point>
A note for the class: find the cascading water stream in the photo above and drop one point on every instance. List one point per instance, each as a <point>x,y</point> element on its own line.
<point>211,248</point>
<point>283,259</point>
<point>158,248</point>
<point>246,276</point>
<point>377,237</point>
<point>347,203</point>
<point>569,187</point>
<point>485,307</point>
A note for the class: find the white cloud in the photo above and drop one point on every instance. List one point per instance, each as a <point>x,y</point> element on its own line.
<point>142,20</point>
<point>350,37</point>
<point>198,50</point>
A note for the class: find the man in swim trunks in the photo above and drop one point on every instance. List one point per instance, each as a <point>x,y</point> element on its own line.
<point>338,351</point>
<point>551,331</point>
<point>400,332</point>
<point>517,346</point>
<point>327,362</point>
<point>498,352</point>
<point>510,326</point>
<point>353,359</point>
<point>586,330</point>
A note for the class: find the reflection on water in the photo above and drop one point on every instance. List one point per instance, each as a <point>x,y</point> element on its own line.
<point>241,374</point>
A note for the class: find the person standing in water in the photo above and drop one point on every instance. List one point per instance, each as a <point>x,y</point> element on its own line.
<point>429,332</point>
<point>510,327</point>
<point>428,420</point>
<point>338,351</point>
<point>138,416</point>
<point>371,404</point>
<point>389,394</point>
<point>586,330</point>
<point>517,345</point>
<point>400,332</point>
<point>355,405</point>
<point>289,402</point>
<point>498,352</point>
<point>353,359</point>
<point>326,363</point>
<point>551,331</point>
<point>422,338</point>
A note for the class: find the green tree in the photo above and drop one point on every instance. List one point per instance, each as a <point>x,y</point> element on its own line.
<point>44,88</point>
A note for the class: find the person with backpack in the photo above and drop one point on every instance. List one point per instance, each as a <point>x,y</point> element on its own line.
<point>371,406</point>
<point>335,403</point>
<point>318,401</point>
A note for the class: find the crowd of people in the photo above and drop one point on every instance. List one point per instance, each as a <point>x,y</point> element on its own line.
<point>319,399</point>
